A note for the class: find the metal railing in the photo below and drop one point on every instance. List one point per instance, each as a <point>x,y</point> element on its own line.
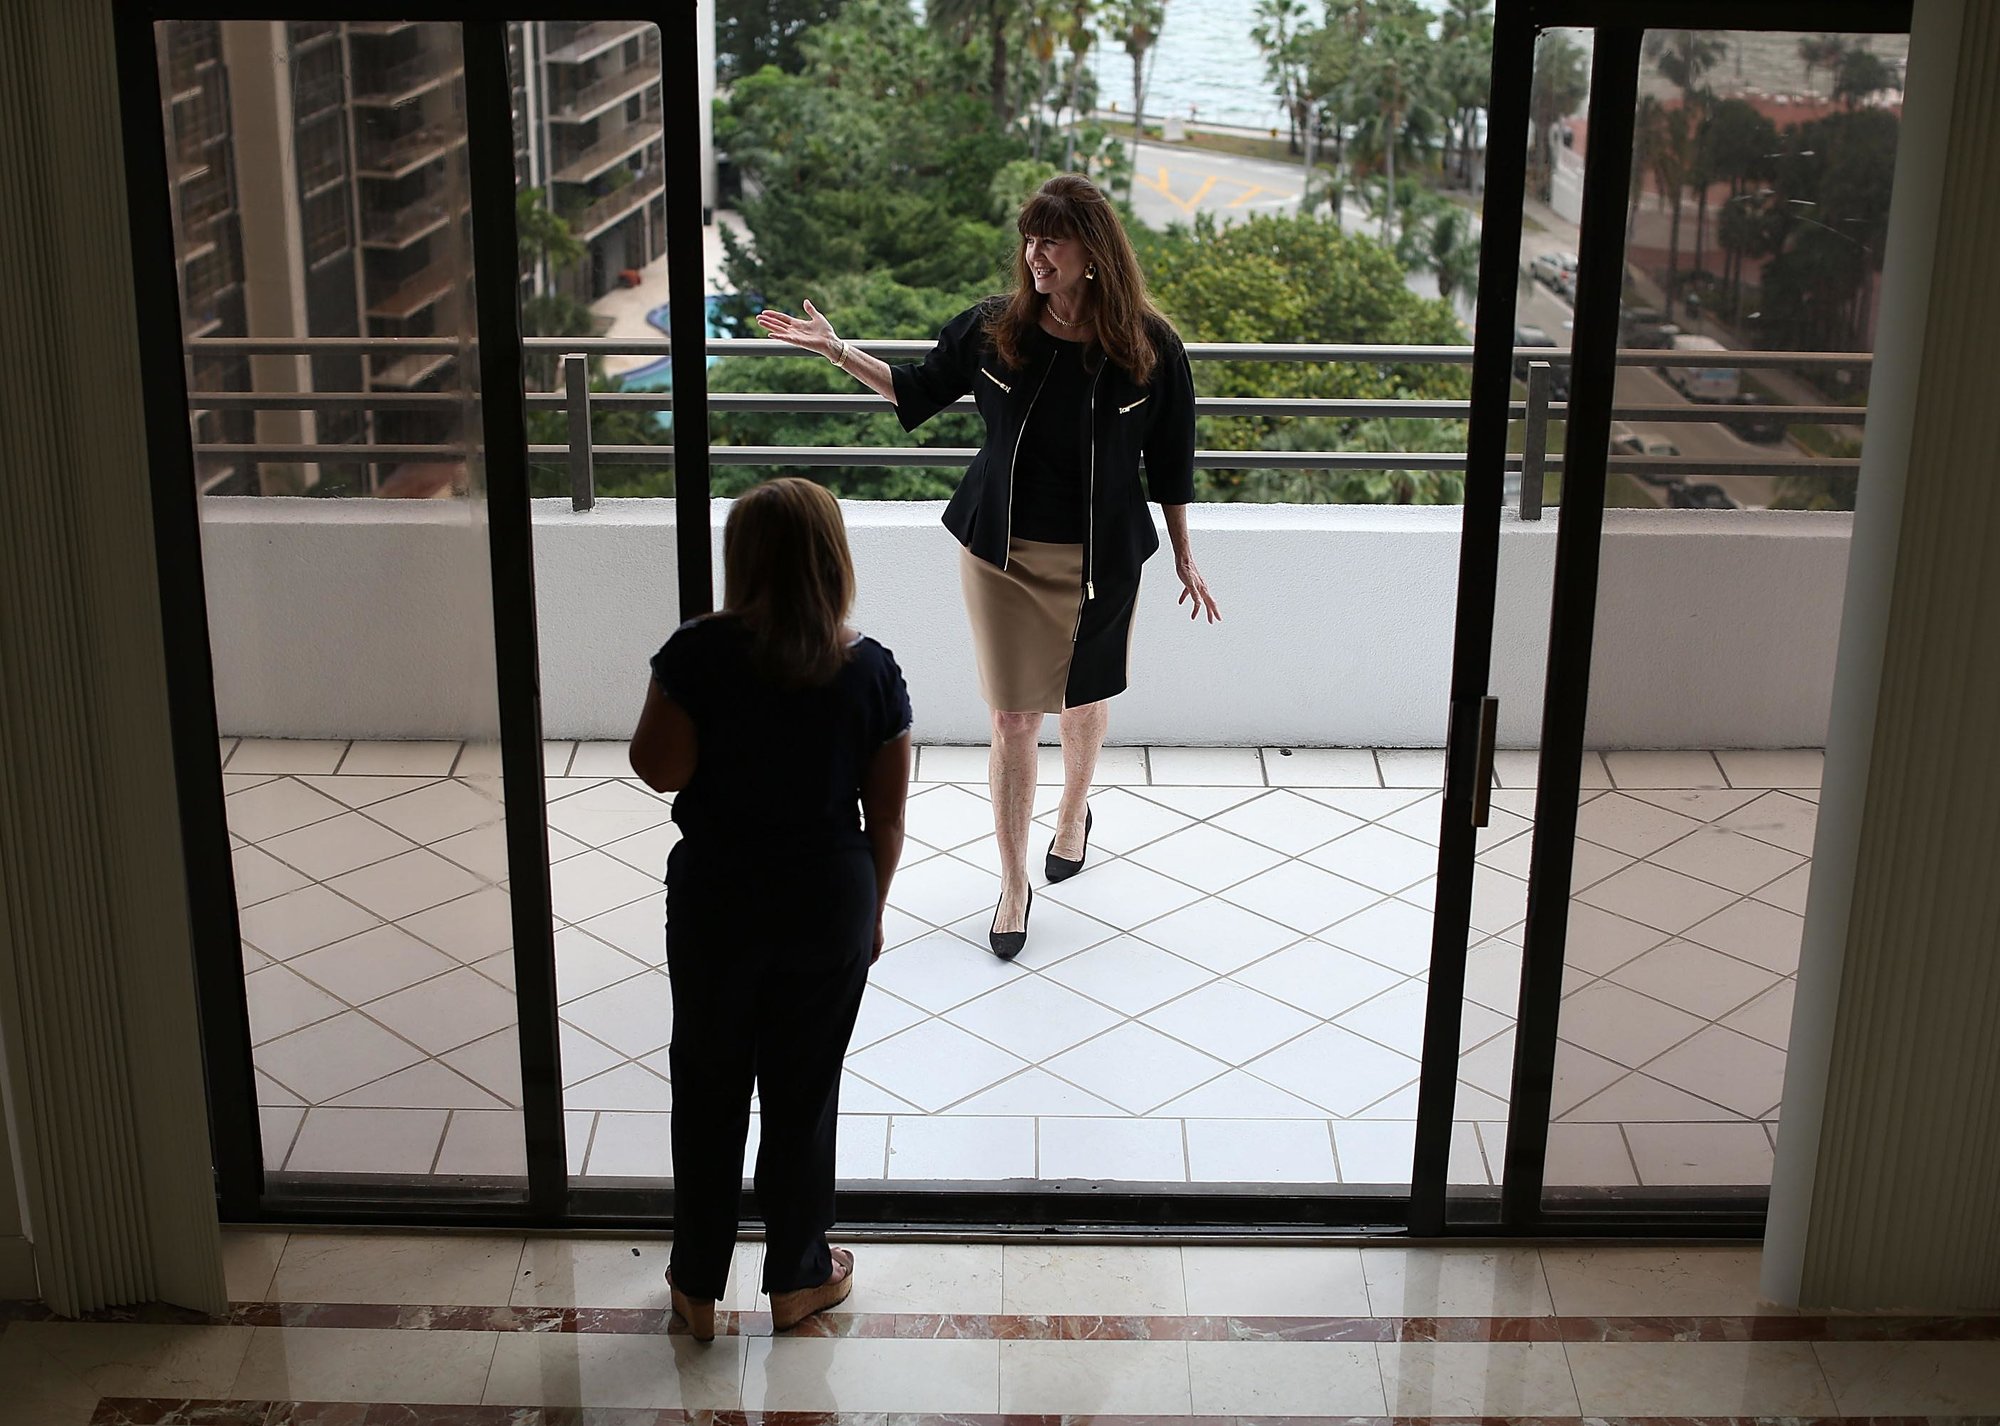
<point>590,221</point>
<point>393,158</point>
<point>586,164</point>
<point>397,81</point>
<point>581,453</point>
<point>594,98</point>
<point>593,38</point>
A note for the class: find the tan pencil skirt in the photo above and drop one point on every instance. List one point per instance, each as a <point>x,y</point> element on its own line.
<point>1037,644</point>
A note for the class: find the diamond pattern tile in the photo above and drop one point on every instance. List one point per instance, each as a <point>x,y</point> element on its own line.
<point>1135,1067</point>
<point>1232,992</point>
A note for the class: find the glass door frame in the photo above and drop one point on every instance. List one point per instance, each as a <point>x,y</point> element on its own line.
<point>550,1200</point>
<point>1619,28</point>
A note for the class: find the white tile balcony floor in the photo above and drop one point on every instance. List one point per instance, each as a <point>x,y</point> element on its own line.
<point>1233,992</point>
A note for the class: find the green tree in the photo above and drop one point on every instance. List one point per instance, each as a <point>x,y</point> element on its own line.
<point>1685,59</point>
<point>1438,238</point>
<point>1298,279</point>
<point>1558,89</point>
<point>1739,143</point>
<point>834,179</point>
<point>1465,68</point>
<point>1860,73</point>
<point>995,22</point>
<point>1668,148</point>
<point>750,34</point>
<point>1392,87</point>
<point>1276,35</point>
<point>1137,24</point>
<point>1820,52</point>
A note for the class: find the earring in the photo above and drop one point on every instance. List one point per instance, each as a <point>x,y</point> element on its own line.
<point>1090,273</point>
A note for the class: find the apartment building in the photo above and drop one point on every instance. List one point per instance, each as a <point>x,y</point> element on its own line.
<point>322,191</point>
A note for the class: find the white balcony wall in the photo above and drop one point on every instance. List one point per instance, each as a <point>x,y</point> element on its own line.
<point>1715,629</point>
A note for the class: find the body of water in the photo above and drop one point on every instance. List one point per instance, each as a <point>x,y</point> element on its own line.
<point>1207,59</point>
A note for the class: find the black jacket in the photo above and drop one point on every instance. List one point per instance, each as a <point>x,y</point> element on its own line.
<point>1128,422</point>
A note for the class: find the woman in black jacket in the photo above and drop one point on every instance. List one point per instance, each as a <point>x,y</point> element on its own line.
<point>1081,380</point>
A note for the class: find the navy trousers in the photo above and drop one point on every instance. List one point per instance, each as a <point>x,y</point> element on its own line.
<point>768,956</point>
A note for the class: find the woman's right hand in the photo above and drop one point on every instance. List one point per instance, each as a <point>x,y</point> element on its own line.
<point>813,332</point>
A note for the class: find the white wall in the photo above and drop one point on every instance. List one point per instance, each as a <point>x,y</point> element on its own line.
<point>1715,629</point>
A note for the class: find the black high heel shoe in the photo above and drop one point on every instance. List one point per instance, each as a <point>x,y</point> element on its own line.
<point>1062,868</point>
<point>1008,944</point>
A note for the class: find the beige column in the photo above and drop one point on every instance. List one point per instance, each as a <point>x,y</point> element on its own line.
<point>97,1010</point>
<point>1887,1189</point>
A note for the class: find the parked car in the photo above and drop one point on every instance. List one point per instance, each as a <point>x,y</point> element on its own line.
<point>1627,442</point>
<point>1550,268</point>
<point>1762,424</point>
<point>1643,327</point>
<point>1698,495</point>
<point>1705,383</point>
<point>1558,369</point>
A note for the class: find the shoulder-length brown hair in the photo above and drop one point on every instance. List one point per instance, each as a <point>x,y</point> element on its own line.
<point>1071,207</point>
<point>788,576</point>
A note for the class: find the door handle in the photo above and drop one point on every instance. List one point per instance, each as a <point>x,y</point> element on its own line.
<point>1482,768</point>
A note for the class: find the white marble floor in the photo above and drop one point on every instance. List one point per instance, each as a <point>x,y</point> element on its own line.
<point>1233,992</point>
<point>1297,1336</point>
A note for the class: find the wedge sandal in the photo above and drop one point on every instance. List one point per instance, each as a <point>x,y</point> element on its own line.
<point>788,1309</point>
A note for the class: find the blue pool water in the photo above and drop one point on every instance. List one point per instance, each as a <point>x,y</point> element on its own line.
<point>658,375</point>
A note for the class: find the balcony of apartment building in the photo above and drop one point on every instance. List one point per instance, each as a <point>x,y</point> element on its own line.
<point>397,155</point>
<point>312,34</point>
<point>194,59</point>
<point>608,146</point>
<point>319,90</point>
<point>600,215</point>
<point>1237,991</point>
<point>593,96</point>
<point>403,81</point>
<point>399,299</point>
<point>394,226</point>
<point>572,42</point>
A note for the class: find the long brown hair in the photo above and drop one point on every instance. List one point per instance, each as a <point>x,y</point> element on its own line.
<point>1071,207</point>
<point>788,576</point>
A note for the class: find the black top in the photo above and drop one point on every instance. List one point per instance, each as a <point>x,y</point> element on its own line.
<point>1048,472</point>
<point>776,768</point>
<point>1135,425</point>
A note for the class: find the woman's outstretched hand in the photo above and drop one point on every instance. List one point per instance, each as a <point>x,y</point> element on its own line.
<point>813,331</point>
<point>1194,588</point>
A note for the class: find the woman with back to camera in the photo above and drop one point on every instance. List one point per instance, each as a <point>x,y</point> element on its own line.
<point>1078,377</point>
<point>773,721</point>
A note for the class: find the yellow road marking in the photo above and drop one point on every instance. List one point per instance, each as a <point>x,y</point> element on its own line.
<point>1163,185</point>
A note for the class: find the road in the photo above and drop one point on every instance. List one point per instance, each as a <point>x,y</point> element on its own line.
<point>1537,306</point>
<point>1172,182</point>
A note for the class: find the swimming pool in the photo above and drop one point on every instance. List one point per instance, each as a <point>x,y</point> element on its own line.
<point>658,375</point>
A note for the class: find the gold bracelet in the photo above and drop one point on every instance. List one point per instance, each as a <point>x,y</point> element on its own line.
<point>841,360</point>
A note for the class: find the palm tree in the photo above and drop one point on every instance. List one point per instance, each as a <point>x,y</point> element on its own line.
<point>1668,153</point>
<point>1082,16</point>
<point>1276,32</point>
<point>1860,73</point>
<point>963,20</point>
<point>1561,83</point>
<point>1820,52</point>
<point>1041,38</point>
<point>1393,78</point>
<point>1440,241</point>
<point>1138,23</point>
<point>1466,31</point>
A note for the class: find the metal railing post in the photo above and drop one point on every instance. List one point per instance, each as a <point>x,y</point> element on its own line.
<point>582,477</point>
<point>1534,448</point>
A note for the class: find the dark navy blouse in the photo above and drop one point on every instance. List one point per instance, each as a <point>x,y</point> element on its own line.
<point>776,767</point>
